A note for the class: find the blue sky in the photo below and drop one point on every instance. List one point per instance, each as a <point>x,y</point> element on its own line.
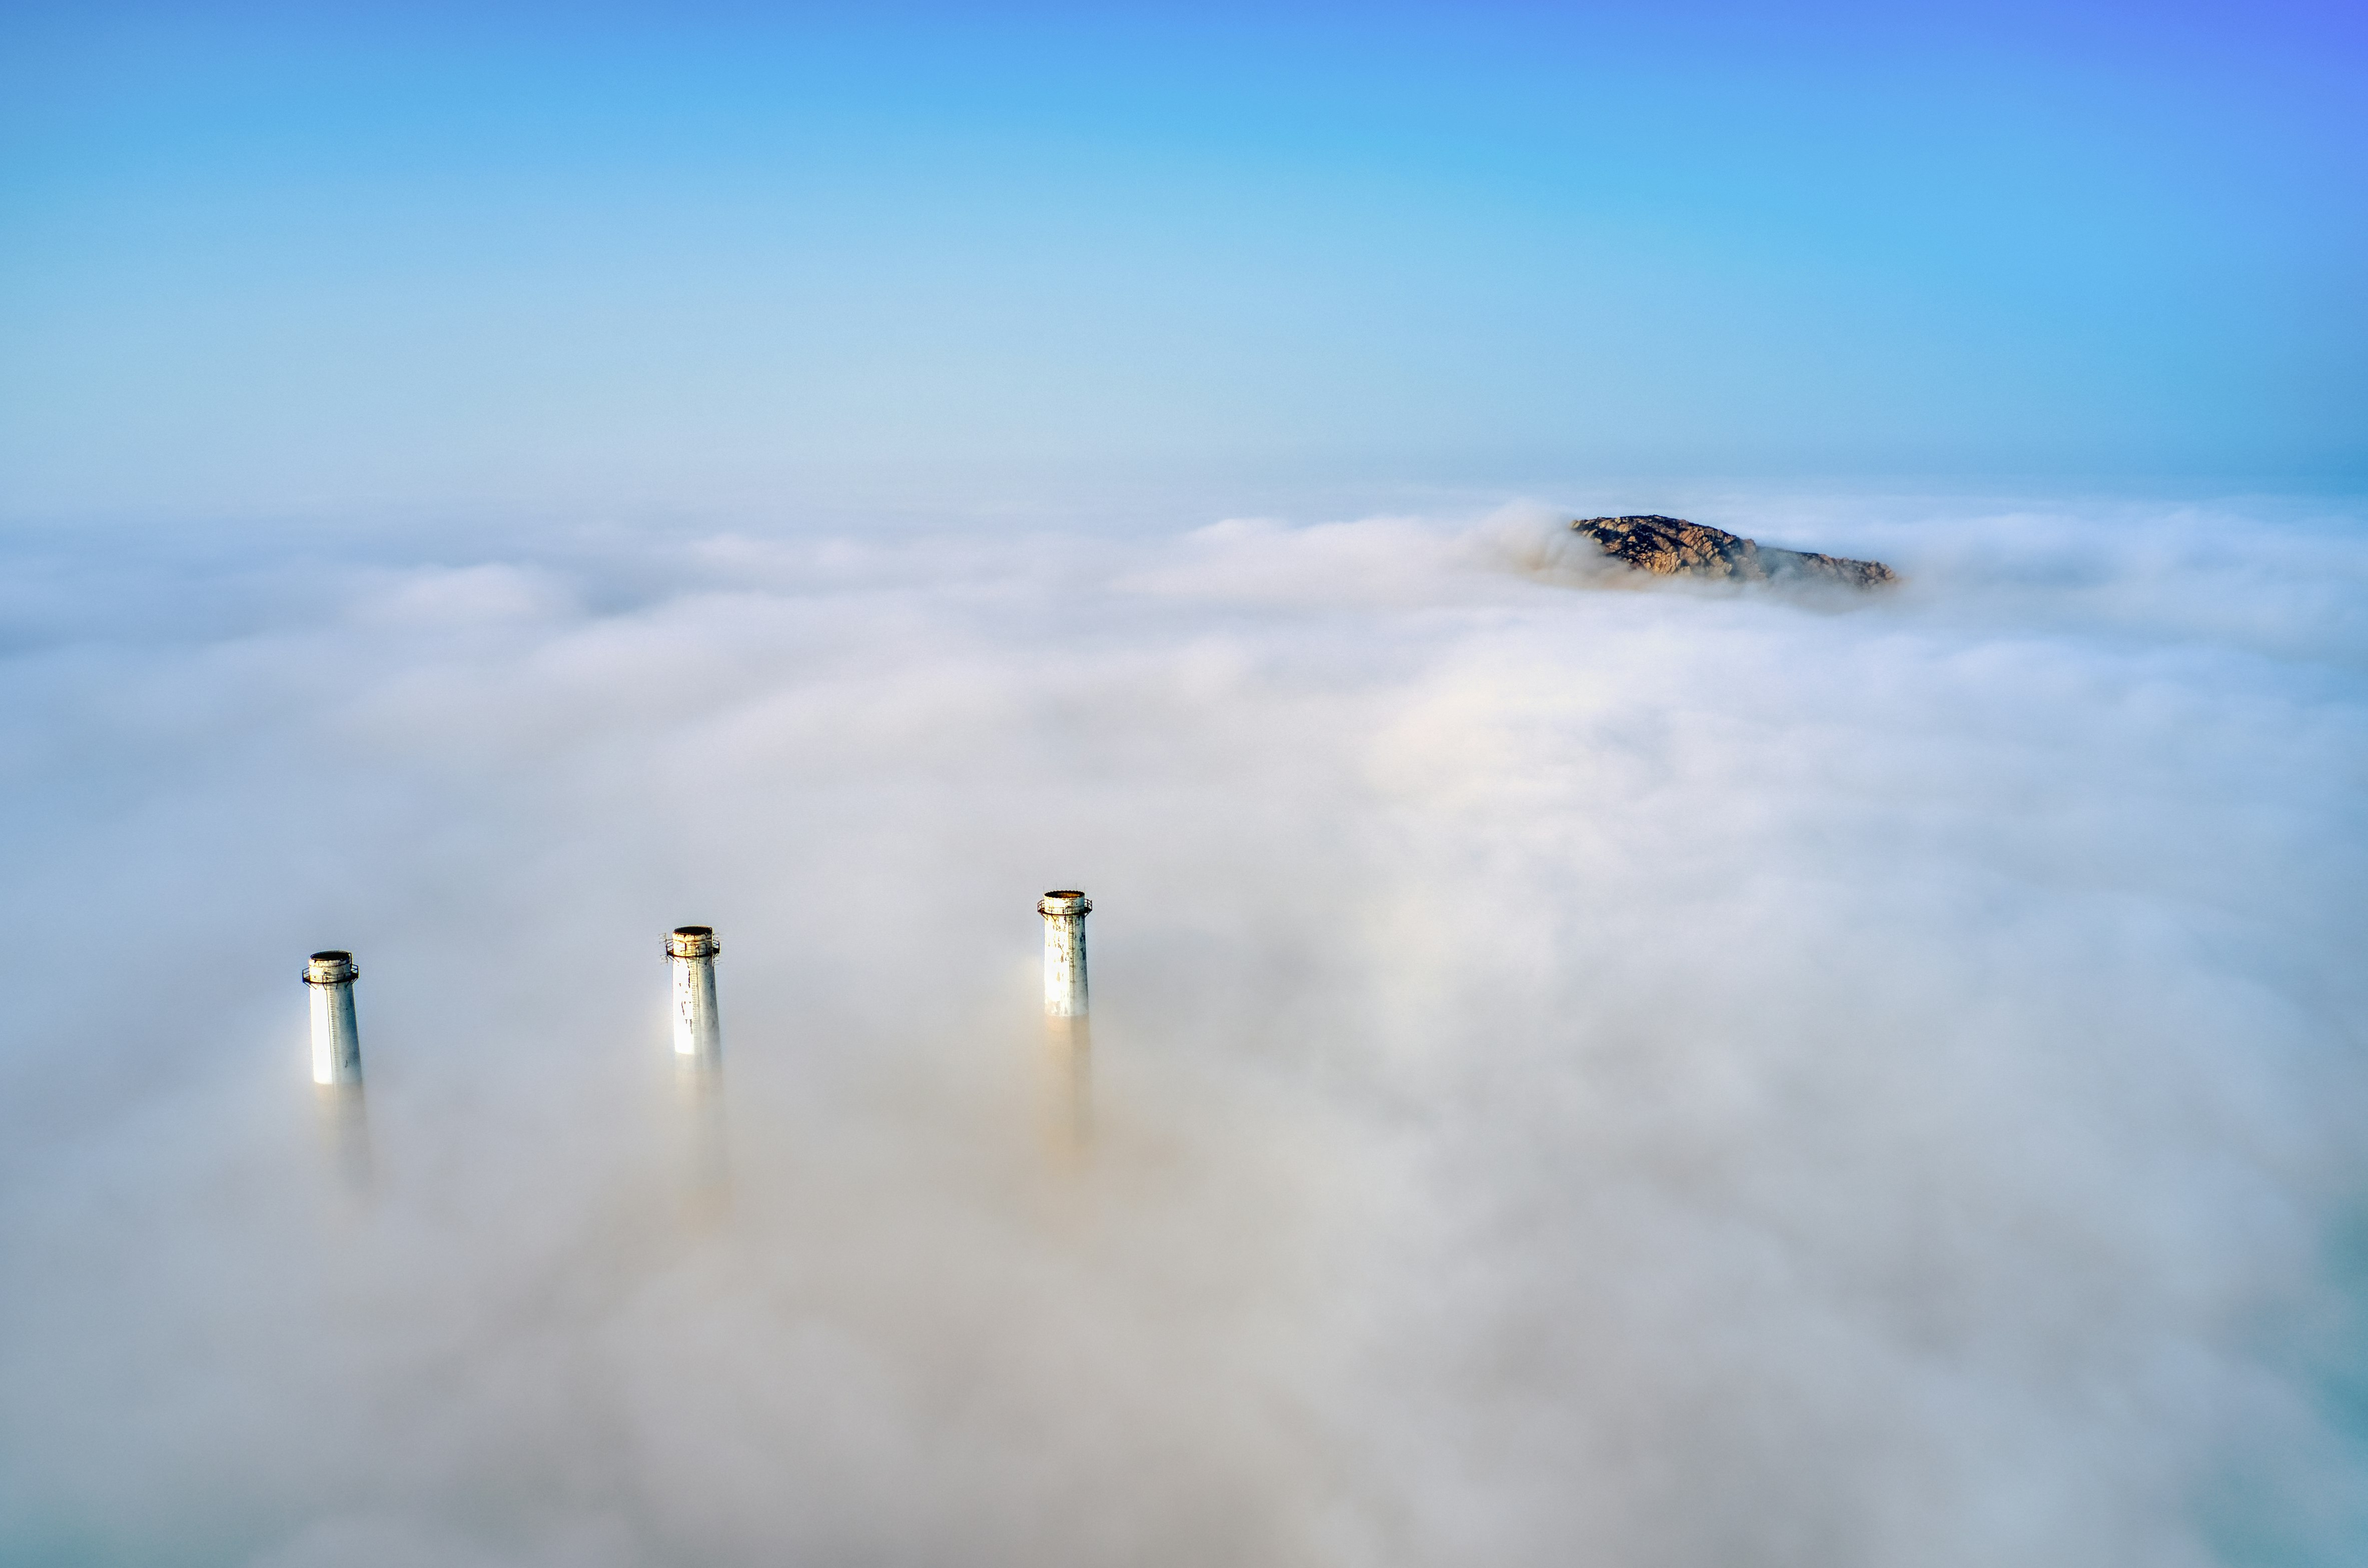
<point>251,261</point>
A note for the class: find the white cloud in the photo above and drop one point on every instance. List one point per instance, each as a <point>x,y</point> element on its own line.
<point>1651,1077</point>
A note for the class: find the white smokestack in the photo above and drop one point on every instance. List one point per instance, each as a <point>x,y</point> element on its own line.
<point>338,1065</point>
<point>337,1042</point>
<point>1065,952</point>
<point>699,1072</point>
<point>698,1036</point>
<point>1068,1036</point>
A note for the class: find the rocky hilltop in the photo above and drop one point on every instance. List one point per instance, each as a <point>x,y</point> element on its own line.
<point>1671,547</point>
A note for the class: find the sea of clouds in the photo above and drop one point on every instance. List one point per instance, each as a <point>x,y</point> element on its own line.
<point>1663,1078</point>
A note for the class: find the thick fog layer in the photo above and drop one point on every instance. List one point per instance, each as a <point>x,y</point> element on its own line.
<point>1673,1079</point>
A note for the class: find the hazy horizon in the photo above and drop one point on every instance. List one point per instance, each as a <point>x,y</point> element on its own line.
<point>256,260</point>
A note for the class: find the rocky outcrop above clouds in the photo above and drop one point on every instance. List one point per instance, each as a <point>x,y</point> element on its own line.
<point>1672,547</point>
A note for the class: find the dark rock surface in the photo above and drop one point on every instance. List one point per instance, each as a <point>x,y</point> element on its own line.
<point>1670,547</point>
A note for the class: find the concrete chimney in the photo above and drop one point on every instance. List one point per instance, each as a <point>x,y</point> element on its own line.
<point>337,1042</point>
<point>699,1075</point>
<point>1065,952</point>
<point>337,1066</point>
<point>698,1036</point>
<point>1068,1035</point>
